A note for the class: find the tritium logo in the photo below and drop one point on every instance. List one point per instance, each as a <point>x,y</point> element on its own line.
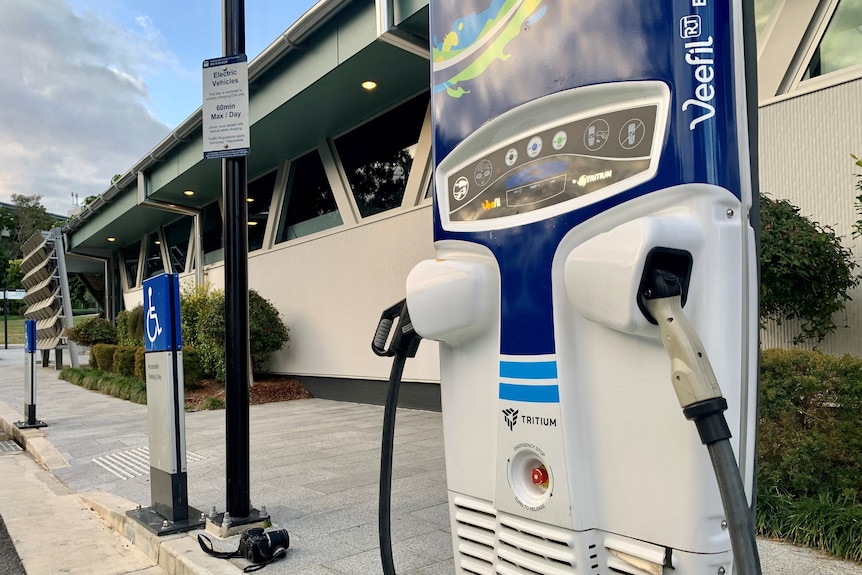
<point>511,417</point>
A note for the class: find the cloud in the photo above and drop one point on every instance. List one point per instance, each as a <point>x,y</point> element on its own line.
<point>73,102</point>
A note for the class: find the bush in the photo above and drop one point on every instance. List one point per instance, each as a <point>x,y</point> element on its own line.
<point>203,319</point>
<point>130,326</point>
<point>192,369</point>
<point>806,273</point>
<point>104,354</point>
<point>810,449</point>
<point>124,360</point>
<point>811,423</point>
<point>108,383</point>
<point>140,364</point>
<point>211,403</point>
<point>92,331</point>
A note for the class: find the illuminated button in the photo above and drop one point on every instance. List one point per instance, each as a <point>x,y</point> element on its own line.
<point>560,139</point>
<point>511,157</point>
<point>534,148</point>
<point>539,476</point>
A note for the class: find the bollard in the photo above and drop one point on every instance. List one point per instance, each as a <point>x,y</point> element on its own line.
<point>30,378</point>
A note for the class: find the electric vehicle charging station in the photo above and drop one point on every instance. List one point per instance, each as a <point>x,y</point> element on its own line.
<point>582,149</point>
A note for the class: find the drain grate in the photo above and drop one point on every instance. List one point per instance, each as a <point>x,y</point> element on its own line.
<point>134,462</point>
<point>9,445</point>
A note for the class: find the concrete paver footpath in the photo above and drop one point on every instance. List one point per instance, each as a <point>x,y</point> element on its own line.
<point>314,465</point>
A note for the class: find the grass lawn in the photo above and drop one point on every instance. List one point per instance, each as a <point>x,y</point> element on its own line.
<point>15,329</point>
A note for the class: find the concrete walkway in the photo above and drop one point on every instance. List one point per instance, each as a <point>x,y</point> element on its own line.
<point>314,465</point>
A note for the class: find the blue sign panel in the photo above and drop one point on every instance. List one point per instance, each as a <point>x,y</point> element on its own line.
<point>30,335</point>
<point>162,330</point>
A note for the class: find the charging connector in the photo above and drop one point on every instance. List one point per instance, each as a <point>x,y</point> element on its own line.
<point>404,343</point>
<point>700,397</point>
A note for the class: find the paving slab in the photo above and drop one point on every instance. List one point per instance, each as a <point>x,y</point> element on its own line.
<point>314,465</point>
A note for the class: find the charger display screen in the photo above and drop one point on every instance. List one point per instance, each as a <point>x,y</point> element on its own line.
<point>554,165</point>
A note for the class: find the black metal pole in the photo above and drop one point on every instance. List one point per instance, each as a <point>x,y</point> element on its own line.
<point>5,321</point>
<point>235,189</point>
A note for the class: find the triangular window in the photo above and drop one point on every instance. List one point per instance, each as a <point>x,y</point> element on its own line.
<point>841,45</point>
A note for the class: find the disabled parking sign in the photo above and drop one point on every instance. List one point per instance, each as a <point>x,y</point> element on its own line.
<point>162,313</point>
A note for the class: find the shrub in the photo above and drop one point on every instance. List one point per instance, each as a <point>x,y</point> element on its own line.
<point>92,331</point>
<point>192,368</point>
<point>130,326</point>
<point>135,325</point>
<point>108,383</point>
<point>104,354</point>
<point>811,423</point>
<point>267,332</point>
<point>124,361</point>
<point>806,273</point>
<point>810,450</point>
<point>203,325</point>
<point>212,403</point>
<point>140,364</point>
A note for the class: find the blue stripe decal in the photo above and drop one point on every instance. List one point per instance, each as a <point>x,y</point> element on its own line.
<point>528,369</point>
<point>530,393</point>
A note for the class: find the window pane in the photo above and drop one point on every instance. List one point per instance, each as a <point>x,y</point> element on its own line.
<point>309,205</point>
<point>130,260</point>
<point>259,197</point>
<point>377,156</point>
<point>177,236</point>
<point>762,13</point>
<point>153,264</point>
<point>841,46</point>
<point>212,233</point>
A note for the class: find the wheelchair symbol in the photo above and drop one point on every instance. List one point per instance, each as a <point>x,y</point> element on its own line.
<point>151,315</point>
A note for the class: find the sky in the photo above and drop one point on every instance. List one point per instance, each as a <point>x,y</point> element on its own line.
<point>88,87</point>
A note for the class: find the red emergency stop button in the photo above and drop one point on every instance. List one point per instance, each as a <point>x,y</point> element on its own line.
<point>539,475</point>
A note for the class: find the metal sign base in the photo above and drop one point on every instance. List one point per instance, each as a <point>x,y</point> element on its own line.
<point>26,425</point>
<point>216,525</point>
<point>155,523</point>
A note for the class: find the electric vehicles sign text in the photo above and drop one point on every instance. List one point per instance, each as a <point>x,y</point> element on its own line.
<point>699,54</point>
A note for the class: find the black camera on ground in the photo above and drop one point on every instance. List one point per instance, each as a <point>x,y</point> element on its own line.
<point>259,546</point>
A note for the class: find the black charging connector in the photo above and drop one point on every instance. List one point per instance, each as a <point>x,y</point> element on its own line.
<point>403,344</point>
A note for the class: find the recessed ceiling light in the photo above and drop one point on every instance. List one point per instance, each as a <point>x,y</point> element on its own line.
<point>158,243</point>
<point>112,239</point>
<point>252,223</point>
<point>189,192</point>
<point>249,200</point>
<point>369,84</point>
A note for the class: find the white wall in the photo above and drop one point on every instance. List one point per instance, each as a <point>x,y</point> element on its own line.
<point>332,289</point>
<point>805,147</point>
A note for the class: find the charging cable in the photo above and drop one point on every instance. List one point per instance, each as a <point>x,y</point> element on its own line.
<point>700,397</point>
<point>404,343</point>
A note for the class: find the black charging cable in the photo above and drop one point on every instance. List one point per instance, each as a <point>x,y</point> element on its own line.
<point>404,343</point>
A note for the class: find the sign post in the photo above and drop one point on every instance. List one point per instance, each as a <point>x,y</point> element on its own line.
<point>30,378</point>
<point>169,512</point>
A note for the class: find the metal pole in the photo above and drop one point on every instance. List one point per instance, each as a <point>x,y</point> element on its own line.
<point>234,183</point>
<point>5,320</point>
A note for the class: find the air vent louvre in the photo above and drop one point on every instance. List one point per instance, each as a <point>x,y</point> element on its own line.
<point>500,544</point>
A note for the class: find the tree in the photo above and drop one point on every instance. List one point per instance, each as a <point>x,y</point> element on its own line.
<point>13,275</point>
<point>30,217</point>
<point>805,272</point>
